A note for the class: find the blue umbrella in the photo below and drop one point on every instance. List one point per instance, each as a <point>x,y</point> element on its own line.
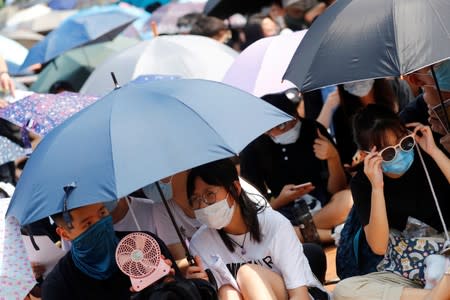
<point>84,28</point>
<point>135,135</point>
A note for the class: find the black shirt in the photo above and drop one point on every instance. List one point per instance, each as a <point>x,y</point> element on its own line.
<point>267,164</point>
<point>409,195</point>
<point>67,282</point>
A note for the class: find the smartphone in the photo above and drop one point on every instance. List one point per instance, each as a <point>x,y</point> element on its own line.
<point>303,185</point>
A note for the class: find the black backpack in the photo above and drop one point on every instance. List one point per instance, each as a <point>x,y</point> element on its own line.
<point>354,256</point>
<point>180,288</point>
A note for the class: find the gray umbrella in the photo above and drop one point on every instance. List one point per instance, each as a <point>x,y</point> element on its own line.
<point>362,39</point>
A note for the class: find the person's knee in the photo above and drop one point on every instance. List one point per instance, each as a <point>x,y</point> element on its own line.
<point>245,273</point>
<point>346,289</point>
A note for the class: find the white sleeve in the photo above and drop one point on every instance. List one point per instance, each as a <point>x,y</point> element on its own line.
<point>288,255</point>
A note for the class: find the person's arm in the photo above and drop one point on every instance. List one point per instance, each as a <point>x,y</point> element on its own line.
<point>426,142</point>
<point>300,293</point>
<point>326,114</point>
<point>5,81</point>
<point>288,194</point>
<point>377,230</point>
<point>324,149</point>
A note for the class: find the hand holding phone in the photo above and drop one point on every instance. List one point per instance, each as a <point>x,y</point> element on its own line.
<point>301,186</point>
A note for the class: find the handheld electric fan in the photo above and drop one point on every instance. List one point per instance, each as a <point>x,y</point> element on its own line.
<point>138,255</point>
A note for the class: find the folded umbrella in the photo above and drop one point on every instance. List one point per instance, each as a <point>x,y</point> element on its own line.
<point>137,134</point>
<point>16,276</point>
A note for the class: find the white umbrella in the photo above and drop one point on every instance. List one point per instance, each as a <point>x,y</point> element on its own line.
<point>28,14</point>
<point>16,276</point>
<point>187,56</point>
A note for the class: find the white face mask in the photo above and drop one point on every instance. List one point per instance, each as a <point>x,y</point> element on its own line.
<point>152,193</point>
<point>288,137</point>
<point>217,215</point>
<point>360,88</point>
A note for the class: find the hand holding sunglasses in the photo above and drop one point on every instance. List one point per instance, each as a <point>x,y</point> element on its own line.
<point>424,137</point>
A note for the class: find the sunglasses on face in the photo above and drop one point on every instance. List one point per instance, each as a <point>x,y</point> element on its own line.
<point>389,153</point>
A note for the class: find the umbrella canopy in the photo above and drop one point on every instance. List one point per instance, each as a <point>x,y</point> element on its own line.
<point>9,150</point>
<point>166,16</point>
<point>259,69</point>
<point>75,66</point>
<point>363,39</point>
<point>145,3</point>
<point>188,56</point>
<point>23,37</point>
<point>13,53</point>
<point>27,14</point>
<point>46,110</point>
<point>46,23</point>
<point>136,135</point>
<point>16,276</point>
<point>226,8</point>
<point>81,29</point>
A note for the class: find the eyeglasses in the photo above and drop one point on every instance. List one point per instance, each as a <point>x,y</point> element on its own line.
<point>208,198</point>
<point>406,144</point>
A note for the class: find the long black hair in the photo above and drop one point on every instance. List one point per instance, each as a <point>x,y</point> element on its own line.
<point>371,124</point>
<point>223,173</point>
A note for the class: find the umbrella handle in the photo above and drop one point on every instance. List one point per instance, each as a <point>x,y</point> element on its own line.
<point>189,256</point>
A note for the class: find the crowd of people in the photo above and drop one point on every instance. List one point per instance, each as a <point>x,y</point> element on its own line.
<point>374,147</point>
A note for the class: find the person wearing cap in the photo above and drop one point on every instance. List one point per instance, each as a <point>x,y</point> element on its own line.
<point>293,153</point>
<point>295,13</point>
<point>89,269</point>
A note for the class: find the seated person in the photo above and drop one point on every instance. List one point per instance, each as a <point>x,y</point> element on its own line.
<point>252,251</point>
<point>293,153</point>
<point>390,186</point>
<point>89,269</point>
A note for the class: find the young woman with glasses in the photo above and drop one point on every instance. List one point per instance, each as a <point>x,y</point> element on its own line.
<point>252,251</point>
<point>390,186</point>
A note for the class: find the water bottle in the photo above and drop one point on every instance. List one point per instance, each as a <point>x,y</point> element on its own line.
<point>303,219</point>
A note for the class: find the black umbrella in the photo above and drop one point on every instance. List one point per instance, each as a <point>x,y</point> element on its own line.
<point>363,39</point>
<point>225,8</point>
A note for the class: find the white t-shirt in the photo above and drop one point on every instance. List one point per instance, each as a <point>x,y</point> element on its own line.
<point>280,251</point>
<point>188,226</point>
<point>142,209</point>
<point>165,230</point>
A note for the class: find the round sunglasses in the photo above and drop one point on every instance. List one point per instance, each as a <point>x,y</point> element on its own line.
<point>389,153</point>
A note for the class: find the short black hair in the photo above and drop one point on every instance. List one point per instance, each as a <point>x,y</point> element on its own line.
<point>282,102</point>
<point>208,26</point>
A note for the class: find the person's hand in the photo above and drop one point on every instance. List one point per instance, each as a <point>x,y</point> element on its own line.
<point>3,103</point>
<point>7,83</point>
<point>197,271</point>
<point>372,168</point>
<point>290,193</point>
<point>333,100</point>
<point>425,138</point>
<point>38,269</point>
<point>323,148</point>
<point>168,277</point>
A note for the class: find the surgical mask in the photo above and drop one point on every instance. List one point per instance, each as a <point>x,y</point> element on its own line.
<point>217,215</point>
<point>443,75</point>
<point>400,164</point>
<point>93,252</point>
<point>151,191</point>
<point>360,88</point>
<point>111,205</point>
<point>288,137</point>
